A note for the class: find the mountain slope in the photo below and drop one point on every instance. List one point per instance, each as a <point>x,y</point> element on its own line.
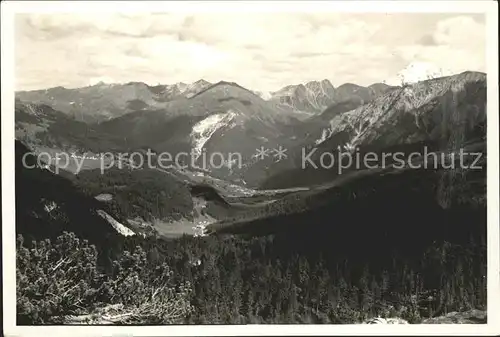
<point>223,118</point>
<point>438,204</point>
<point>39,125</point>
<point>428,110</point>
<point>102,206</point>
<point>93,103</point>
<point>48,204</point>
<point>102,101</point>
<point>140,197</point>
<point>440,114</point>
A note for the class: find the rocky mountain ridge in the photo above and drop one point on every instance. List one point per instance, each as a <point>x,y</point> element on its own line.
<point>102,101</point>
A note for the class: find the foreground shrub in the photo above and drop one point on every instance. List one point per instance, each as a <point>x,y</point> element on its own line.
<point>60,279</point>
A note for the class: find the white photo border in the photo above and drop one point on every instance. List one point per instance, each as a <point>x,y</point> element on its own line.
<point>10,8</point>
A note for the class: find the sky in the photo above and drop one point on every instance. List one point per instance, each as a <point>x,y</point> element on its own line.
<point>261,51</point>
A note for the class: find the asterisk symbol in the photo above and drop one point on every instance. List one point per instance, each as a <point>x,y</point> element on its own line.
<point>261,153</point>
<point>280,153</point>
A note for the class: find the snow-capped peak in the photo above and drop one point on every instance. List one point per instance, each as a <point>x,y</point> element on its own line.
<point>418,71</point>
<point>204,129</point>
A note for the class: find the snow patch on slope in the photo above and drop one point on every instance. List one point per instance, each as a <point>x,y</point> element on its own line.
<point>313,97</point>
<point>324,136</point>
<point>204,129</point>
<point>125,231</point>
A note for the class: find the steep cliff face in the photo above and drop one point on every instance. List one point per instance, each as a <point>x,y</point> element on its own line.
<point>447,109</point>
<point>316,96</point>
<point>312,97</point>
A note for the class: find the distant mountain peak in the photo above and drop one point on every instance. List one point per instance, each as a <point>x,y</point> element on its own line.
<point>223,83</point>
<point>201,82</point>
<point>193,89</point>
<point>349,85</point>
<point>129,83</point>
<point>226,82</point>
<point>379,84</point>
<point>319,83</point>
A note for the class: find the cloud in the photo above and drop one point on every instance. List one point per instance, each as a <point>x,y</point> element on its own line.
<point>460,31</point>
<point>263,51</point>
<point>427,40</point>
<point>459,45</point>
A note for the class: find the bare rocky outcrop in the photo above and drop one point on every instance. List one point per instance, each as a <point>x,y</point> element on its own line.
<point>468,317</point>
<point>474,316</point>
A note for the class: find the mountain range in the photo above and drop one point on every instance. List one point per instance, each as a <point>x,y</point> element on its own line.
<point>101,102</point>
<point>224,117</point>
<point>181,116</point>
